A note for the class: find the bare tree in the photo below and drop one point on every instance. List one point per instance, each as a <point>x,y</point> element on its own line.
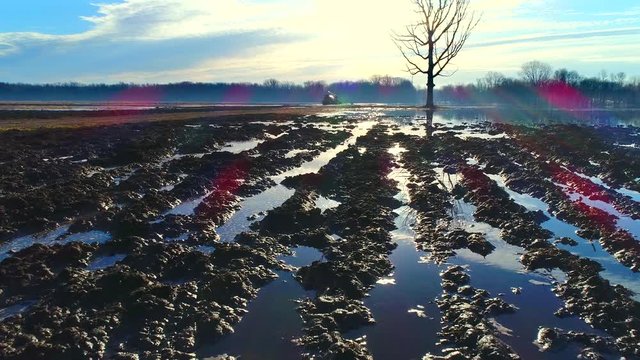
<point>619,78</point>
<point>491,80</point>
<point>603,75</point>
<point>536,72</point>
<point>567,77</point>
<point>437,37</point>
<point>271,83</point>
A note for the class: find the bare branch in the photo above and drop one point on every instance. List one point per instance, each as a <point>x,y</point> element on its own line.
<point>438,36</point>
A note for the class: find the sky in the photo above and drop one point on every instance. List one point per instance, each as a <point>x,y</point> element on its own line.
<point>160,41</point>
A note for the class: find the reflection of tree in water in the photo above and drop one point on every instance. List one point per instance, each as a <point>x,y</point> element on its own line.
<point>459,216</point>
<point>538,116</point>
<point>406,213</point>
<point>429,122</point>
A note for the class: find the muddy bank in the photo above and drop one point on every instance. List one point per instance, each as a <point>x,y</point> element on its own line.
<point>174,239</point>
<point>157,292</point>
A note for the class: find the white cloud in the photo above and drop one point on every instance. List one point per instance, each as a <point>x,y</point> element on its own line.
<point>325,39</point>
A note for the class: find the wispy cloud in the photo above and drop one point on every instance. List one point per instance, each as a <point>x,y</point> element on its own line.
<point>554,37</point>
<point>249,40</point>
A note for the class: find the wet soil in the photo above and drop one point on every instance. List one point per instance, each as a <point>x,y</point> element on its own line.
<point>358,234</point>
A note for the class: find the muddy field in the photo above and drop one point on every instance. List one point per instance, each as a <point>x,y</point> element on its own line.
<point>352,234</point>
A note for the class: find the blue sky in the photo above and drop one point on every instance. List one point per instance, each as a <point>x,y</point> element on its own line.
<point>297,40</point>
<point>45,16</point>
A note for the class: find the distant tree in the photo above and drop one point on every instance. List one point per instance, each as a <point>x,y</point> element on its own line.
<point>491,80</point>
<point>619,78</point>
<point>429,45</point>
<point>271,83</point>
<point>536,72</point>
<point>568,77</point>
<point>387,80</point>
<point>603,75</point>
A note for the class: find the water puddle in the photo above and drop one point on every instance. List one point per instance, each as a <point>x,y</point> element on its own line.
<point>54,237</point>
<point>303,256</point>
<point>353,114</point>
<point>124,177</point>
<point>634,195</point>
<point>623,221</point>
<point>272,322</point>
<point>187,208</point>
<point>250,207</point>
<point>268,329</point>
<point>236,147</point>
<point>324,203</point>
<point>89,237</point>
<point>58,158</point>
<point>180,238</point>
<point>504,256</point>
<point>104,262</point>
<point>16,309</point>
<point>205,249</point>
<point>26,241</point>
<point>321,160</point>
<point>295,152</point>
<point>500,273</point>
<point>407,126</point>
<point>535,304</point>
<point>167,188</point>
<point>613,271</point>
<point>529,202</point>
<point>474,135</point>
<point>402,303</point>
<point>182,156</point>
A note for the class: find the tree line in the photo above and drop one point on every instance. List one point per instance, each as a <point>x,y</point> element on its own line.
<point>539,85</point>
<point>378,89</point>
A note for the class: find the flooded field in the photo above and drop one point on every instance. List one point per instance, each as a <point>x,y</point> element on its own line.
<point>356,234</point>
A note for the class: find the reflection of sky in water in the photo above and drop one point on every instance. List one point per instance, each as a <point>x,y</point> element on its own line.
<point>262,202</point>
<point>236,147</point>
<point>614,271</point>
<point>267,330</point>
<point>15,309</point>
<point>324,203</point>
<point>504,255</point>
<point>187,207</point>
<point>104,262</point>
<point>303,256</point>
<point>314,165</point>
<point>536,305</point>
<point>401,302</point>
<point>278,194</point>
<point>634,195</point>
<point>56,236</point>
<point>395,304</point>
<point>630,193</point>
<point>624,222</point>
<point>293,153</point>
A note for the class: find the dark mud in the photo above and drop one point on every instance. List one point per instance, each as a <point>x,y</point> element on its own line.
<point>270,236</point>
<point>171,286</point>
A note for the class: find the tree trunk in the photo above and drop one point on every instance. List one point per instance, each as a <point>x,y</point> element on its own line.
<point>430,87</point>
<point>430,83</point>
